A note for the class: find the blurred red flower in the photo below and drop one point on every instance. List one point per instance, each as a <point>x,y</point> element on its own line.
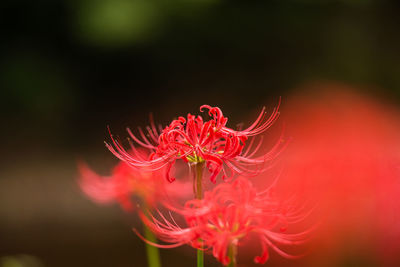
<point>127,183</point>
<point>346,157</point>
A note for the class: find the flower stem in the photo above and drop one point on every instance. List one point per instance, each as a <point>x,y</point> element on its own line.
<point>198,192</point>
<point>153,255</point>
<point>198,179</point>
<point>232,250</point>
<point>200,258</point>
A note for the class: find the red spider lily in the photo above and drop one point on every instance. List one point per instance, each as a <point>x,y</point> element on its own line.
<point>120,186</point>
<point>194,140</point>
<point>126,182</point>
<point>225,216</point>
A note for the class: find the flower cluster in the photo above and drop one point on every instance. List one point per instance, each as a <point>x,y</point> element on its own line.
<point>228,214</point>
<point>194,140</point>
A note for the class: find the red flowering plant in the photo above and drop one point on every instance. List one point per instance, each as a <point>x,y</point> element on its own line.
<point>226,216</point>
<point>132,188</point>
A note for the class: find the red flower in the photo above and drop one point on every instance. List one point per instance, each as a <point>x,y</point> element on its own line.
<point>194,140</point>
<point>125,183</point>
<point>225,216</point>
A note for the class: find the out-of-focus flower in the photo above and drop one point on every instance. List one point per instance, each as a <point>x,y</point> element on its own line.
<point>126,182</point>
<point>194,140</point>
<point>228,214</point>
<point>346,156</point>
<point>120,186</point>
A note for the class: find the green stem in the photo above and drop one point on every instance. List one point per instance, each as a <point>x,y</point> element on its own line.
<point>200,258</point>
<point>232,250</point>
<point>198,192</point>
<point>153,255</point>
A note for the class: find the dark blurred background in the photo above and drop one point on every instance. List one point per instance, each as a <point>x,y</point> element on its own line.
<point>70,68</point>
